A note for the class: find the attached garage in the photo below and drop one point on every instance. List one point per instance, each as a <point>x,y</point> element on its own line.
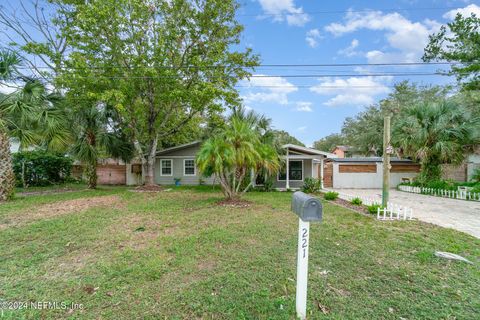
<point>366,173</point>
<point>107,173</point>
<point>111,174</point>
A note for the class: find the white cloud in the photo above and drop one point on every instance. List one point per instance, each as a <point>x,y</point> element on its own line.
<point>359,91</point>
<point>268,89</point>
<point>302,129</point>
<point>303,106</point>
<point>312,37</point>
<point>7,88</point>
<point>406,37</point>
<point>350,50</point>
<point>285,10</point>
<point>465,12</point>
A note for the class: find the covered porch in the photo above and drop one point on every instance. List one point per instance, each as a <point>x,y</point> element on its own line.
<point>300,163</point>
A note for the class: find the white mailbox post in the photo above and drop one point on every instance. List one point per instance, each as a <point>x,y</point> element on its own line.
<point>308,209</point>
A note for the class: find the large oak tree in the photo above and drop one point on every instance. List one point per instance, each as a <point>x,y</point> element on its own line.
<point>161,63</point>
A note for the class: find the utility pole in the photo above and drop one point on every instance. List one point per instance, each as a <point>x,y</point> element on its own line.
<point>387,150</point>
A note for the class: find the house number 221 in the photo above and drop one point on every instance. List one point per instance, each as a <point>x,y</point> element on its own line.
<point>304,241</point>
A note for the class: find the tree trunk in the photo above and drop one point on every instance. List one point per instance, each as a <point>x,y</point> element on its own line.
<point>7,177</point>
<point>149,164</point>
<point>91,173</point>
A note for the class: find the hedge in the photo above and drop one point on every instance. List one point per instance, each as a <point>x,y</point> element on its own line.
<point>41,168</point>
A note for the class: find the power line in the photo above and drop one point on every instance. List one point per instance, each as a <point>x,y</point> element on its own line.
<point>314,85</point>
<point>279,76</point>
<point>343,11</point>
<point>260,65</point>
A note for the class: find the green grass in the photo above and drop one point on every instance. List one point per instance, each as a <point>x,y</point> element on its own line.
<point>177,255</point>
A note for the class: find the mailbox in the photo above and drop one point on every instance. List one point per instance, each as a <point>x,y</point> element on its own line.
<point>306,207</point>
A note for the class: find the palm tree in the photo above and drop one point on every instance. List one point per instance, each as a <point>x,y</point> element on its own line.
<point>8,63</point>
<point>30,114</point>
<point>436,133</point>
<point>233,154</point>
<point>97,132</point>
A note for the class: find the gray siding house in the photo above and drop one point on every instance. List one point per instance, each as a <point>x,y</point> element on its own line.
<point>300,163</point>
<point>179,162</point>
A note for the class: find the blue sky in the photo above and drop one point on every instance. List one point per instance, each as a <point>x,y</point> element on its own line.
<point>336,32</point>
<point>332,32</point>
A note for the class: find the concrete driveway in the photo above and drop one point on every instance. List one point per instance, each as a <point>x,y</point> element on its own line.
<point>449,213</point>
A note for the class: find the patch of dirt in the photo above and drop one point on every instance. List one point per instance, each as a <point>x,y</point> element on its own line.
<point>59,208</point>
<point>153,188</point>
<point>55,191</point>
<point>70,264</point>
<point>234,203</point>
<point>90,289</point>
<point>206,265</point>
<point>347,204</point>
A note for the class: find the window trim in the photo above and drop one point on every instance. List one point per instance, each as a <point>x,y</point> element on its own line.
<point>303,172</point>
<point>194,168</point>
<point>161,168</point>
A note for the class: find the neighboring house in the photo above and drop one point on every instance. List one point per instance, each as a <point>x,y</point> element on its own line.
<point>366,173</point>
<point>345,152</point>
<point>179,162</point>
<point>464,171</point>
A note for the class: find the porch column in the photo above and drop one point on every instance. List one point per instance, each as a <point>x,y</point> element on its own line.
<point>321,172</point>
<point>287,184</point>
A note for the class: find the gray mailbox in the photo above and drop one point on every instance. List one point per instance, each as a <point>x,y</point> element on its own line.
<point>306,207</point>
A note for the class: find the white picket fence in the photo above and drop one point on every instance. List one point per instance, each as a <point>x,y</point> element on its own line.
<point>453,194</point>
<point>394,212</point>
<point>391,212</point>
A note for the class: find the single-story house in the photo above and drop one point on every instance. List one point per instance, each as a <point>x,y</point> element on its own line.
<point>300,163</point>
<point>366,173</point>
<point>345,152</point>
<point>179,163</point>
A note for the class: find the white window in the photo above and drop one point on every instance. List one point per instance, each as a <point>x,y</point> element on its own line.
<point>295,171</point>
<point>188,167</point>
<point>166,167</point>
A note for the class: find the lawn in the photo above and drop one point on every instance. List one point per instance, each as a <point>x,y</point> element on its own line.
<point>178,255</point>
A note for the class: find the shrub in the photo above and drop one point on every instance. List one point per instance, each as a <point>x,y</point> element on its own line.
<point>373,209</point>
<point>41,168</point>
<point>268,184</point>
<point>476,175</point>
<point>311,185</point>
<point>356,201</point>
<point>440,184</point>
<point>331,195</point>
<point>476,188</point>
